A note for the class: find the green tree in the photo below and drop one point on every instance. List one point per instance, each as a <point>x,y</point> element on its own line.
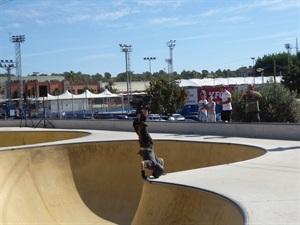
<point>278,103</point>
<point>110,86</point>
<point>238,107</point>
<point>121,77</point>
<point>205,73</point>
<point>160,74</point>
<point>220,73</point>
<point>292,78</point>
<point>275,63</point>
<point>107,75</point>
<point>97,77</point>
<point>168,97</point>
<point>190,74</point>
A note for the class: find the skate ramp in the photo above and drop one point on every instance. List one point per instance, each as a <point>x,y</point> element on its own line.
<point>14,138</point>
<point>99,183</point>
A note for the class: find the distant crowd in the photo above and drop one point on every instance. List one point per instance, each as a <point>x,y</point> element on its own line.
<point>208,109</point>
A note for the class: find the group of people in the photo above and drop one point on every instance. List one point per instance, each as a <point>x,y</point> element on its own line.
<point>150,160</point>
<point>207,106</point>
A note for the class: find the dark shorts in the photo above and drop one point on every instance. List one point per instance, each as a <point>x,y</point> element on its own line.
<point>149,164</point>
<point>225,115</point>
<point>149,158</point>
<point>252,117</point>
<point>158,170</point>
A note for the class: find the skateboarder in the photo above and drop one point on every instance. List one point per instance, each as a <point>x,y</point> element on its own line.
<point>150,159</point>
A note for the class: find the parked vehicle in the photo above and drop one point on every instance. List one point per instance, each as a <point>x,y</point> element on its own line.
<point>192,116</point>
<point>178,116</point>
<point>155,117</point>
<point>173,117</point>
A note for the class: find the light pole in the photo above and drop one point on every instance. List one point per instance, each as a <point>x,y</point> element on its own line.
<point>253,58</point>
<point>127,49</point>
<point>150,58</point>
<point>288,47</point>
<point>72,88</point>
<point>36,91</point>
<point>18,39</point>
<point>8,65</point>
<point>171,46</point>
<point>261,71</point>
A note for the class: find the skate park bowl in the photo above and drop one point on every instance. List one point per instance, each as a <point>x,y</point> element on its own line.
<point>76,177</point>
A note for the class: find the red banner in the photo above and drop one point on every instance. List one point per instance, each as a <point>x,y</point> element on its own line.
<point>215,92</point>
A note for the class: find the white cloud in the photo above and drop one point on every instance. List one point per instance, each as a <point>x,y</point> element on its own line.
<point>174,21</point>
<point>283,5</point>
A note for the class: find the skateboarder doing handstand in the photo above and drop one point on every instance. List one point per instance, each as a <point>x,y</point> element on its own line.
<point>150,159</point>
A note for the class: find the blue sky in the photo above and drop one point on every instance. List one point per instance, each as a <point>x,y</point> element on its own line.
<point>84,35</point>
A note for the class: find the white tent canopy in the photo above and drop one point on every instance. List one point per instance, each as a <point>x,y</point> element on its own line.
<point>210,82</point>
<point>85,95</point>
<point>106,94</point>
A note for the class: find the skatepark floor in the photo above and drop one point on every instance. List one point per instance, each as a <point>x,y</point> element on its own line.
<point>55,176</point>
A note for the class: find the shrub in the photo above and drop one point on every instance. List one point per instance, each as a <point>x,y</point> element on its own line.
<point>278,104</point>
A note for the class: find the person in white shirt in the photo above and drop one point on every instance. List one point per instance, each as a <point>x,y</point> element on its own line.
<point>226,104</point>
<point>202,108</point>
<point>211,109</point>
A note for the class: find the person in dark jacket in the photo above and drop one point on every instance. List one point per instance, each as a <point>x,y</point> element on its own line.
<point>150,159</point>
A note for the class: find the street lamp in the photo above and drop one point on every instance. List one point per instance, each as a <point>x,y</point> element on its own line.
<point>149,58</point>
<point>253,58</point>
<point>261,71</point>
<point>127,49</point>
<point>288,47</point>
<point>8,65</point>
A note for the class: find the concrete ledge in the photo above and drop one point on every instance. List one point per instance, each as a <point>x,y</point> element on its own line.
<point>278,131</point>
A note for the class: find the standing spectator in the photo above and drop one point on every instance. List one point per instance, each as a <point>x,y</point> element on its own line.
<point>226,104</point>
<point>251,98</point>
<point>211,109</point>
<point>218,110</point>
<point>202,108</point>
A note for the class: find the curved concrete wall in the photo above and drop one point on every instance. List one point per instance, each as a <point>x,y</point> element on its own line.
<point>90,182</point>
<point>182,205</point>
<point>278,131</point>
